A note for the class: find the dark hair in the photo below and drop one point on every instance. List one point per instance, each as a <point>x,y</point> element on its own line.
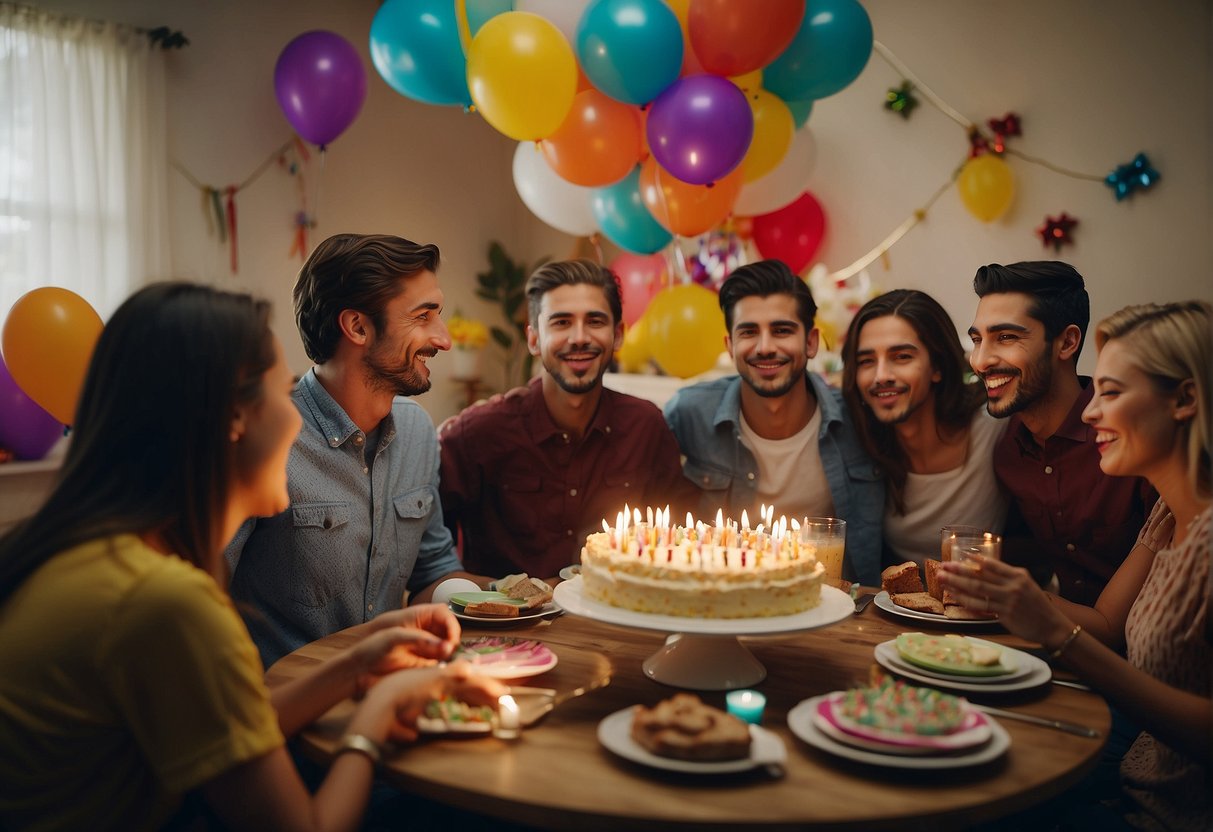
<point>955,400</point>
<point>150,449</point>
<point>353,271</point>
<point>572,273</point>
<point>765,278</point>
<point>1059,297</point>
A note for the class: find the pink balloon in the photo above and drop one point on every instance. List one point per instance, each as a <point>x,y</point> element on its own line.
<point>640,277</point>
<point>792,234</point>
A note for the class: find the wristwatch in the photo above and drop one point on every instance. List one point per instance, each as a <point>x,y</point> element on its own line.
<point>361,745</point>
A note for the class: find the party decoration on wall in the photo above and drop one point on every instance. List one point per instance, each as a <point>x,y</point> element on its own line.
<point>830,49</point>
<point>1131,177</point>
<point>733,37</point>
<point>621,214</point>
<point>630,49</point>
<point>901,99</point>
<point>987,187</point>
<point>48,340</point>
<point>320,85</point>
<point>685,330</point>
<point>1003,128</point>
<point>25,428</point>
<point>699,128</point>
<point>1056,231</point>
<point>792,234</point>
<point>598,143</point>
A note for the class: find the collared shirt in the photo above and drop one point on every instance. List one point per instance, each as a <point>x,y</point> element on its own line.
<point>525,493</point>
<point>1082,520</point>
<point>706,420</point>
<point>356,535</point>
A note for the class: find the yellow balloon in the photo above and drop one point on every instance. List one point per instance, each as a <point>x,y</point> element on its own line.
<point>48,341</point>
<point>685,329</point>
<point>774,128</point>
<point>987,187</point>
<point>634,354</point>
<point>522,75</point>
<point>750,82</point>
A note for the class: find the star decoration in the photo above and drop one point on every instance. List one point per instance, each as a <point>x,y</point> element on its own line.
<point>1004,127</point>
<point>901,99</point>
<point>978,144</point>
<point>1056,231</point>
<point>1135,175</point>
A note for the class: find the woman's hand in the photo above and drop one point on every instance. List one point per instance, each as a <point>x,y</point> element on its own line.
<point>1159,528</point>
<point>412,637</point>
<point>987,585</point>
<point>401,697</point>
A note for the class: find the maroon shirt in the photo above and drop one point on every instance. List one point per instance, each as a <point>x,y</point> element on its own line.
<point>525,494</point>
<point>1082,521</point>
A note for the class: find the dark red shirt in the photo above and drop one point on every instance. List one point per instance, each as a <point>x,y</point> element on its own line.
<point>524,494</point>
<point>1082,521</point>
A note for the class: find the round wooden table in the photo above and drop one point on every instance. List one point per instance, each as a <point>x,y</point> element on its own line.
<point>558,776</point>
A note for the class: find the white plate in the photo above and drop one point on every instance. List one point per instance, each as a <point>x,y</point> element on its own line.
<point>1039,673</point>
<point>570,572</point>
<point>835,606</point>
<point>500,657</point>
<point>479,621</point>
<point>1024,664</point>
<point>886,603</point>
<point>800,722</point>
<point>615,733</point>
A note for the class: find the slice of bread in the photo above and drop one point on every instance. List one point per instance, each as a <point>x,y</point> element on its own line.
<point>934,588</point>
<point>959,613</point>
<point>492,609</point>
<point>917,601</point>
<point>684,728</point>
<point>533,591</point>
<point>902,577</point>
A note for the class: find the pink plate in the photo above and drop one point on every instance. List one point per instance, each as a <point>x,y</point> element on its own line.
<point>974,730</point>
<point>506,658</point>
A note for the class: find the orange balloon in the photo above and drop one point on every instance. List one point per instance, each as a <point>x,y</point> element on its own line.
<point>598,143</point>
<point>686,209</point>
<point>48,341</point>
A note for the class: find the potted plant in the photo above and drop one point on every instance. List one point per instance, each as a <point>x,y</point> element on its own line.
<point>505,285</point>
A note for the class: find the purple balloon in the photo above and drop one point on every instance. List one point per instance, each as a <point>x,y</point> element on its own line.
<point>25,428</point>
<point>320,84</point>
<point>700,128</point>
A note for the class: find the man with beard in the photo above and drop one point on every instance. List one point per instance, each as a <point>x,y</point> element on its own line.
<point>904,384</point>
<point>1070,519</point>
<point>526,477</point>
<point>775,433</point>
<point>365,525</point>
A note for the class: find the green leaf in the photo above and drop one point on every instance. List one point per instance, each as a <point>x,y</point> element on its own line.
<point>501,337</point>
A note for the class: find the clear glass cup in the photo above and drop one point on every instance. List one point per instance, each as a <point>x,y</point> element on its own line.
<point>949,532</point>
<point>966,545</point>
<point>826,537</point>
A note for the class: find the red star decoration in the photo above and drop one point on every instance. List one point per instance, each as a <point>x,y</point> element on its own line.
<point>977,143</point>
<point>1003,127</point>
<point>1056,231</point>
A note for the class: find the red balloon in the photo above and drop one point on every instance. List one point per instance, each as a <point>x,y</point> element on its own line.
<point>733,37</point>
<point>641,276</point>
<point>793,233</point>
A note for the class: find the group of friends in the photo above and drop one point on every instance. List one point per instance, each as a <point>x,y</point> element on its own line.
<point>214,514</point>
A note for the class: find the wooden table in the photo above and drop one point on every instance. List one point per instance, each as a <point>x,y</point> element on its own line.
<point>557,776</point>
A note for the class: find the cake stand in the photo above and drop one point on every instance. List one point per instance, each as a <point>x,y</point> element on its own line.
<point>706,654</point>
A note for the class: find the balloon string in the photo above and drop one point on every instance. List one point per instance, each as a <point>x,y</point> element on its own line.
<point>231,226</point>
<point>315,218</point>
<point>1055,168</point>
<point>461,21</point>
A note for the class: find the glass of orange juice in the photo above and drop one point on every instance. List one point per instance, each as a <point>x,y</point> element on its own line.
<point>826,537</point>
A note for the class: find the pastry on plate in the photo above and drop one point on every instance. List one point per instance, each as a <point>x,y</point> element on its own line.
<point>685,728</point>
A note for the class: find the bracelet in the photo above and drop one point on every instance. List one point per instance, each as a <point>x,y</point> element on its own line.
<point>360,744</point>
<point>1061,648</point>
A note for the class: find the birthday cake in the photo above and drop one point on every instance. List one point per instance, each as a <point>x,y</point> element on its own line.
<point>700,571</point>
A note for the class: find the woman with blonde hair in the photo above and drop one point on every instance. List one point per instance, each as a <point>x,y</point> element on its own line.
<point>1151,415</point>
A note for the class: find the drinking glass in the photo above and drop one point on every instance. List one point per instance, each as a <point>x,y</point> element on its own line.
<point>967,545</point>
<point>950,531</point>
<point>826,537</point>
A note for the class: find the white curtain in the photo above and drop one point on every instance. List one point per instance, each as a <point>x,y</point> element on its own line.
<point>83,192</point>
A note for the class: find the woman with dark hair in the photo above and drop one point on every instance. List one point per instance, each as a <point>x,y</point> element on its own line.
<point>128,682</point>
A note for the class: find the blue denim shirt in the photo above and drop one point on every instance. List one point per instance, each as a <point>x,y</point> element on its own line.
<point>706,419</point>
<point>355,536</point>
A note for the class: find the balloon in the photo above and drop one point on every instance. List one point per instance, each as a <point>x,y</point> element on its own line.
<point>783,184</point>
<point>624,219</point>
<point>640,277</point>
<point>699,128</point>
<point>25,429</point>
<point>987,187</point>
<point>630,49</point>
<point>685,330</point>
<point>686,209</point>
<point>565,15</point>
<point>481,11</point>
<point>749,82</point>
<point>732,37</point>
<point>562,205</point>
<point>320,84</point>
<point>829,51</point>
<point>690,64</point>
<point>793,233</point>
<point>773,131</point>
<point>522,75</point>
<point>48,340</point>
<point>634,353</point>
<point>598,143</point>
<point>801,110</point>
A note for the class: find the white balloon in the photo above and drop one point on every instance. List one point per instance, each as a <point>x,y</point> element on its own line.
<point>565,14</point>
<point>783,185</point>
<point>561,204</point>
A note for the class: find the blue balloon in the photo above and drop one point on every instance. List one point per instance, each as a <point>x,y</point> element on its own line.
<point>623,218</point>
<point>801,110</point>
<point>630,49</point>
<point>415,47</point>
<point>829,51</point>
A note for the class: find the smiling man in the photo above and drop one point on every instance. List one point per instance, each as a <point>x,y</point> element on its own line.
<point>526,477</point>
<point>1027,334</point>
<point>775,433</point>
<point>365,524</point>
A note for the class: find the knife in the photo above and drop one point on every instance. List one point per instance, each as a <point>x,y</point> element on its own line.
<point>1068,727</point>
<point>547,698</point>
<point>862,603</point>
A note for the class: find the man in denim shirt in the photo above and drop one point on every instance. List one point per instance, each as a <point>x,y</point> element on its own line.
<point>775,433</point>
<point>365,523</point>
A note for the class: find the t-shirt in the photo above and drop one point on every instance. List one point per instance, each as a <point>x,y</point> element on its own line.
<point>790,473</point>
<point>126,680</point>
<point>968,495</point>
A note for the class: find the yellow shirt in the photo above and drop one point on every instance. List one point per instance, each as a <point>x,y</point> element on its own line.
<point>126,680</point>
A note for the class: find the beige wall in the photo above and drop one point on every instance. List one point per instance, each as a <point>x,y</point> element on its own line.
<point>1095,81</point>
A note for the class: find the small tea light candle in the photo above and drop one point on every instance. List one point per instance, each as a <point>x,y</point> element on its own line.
<point>509,724</point>
<point>746,705</point>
